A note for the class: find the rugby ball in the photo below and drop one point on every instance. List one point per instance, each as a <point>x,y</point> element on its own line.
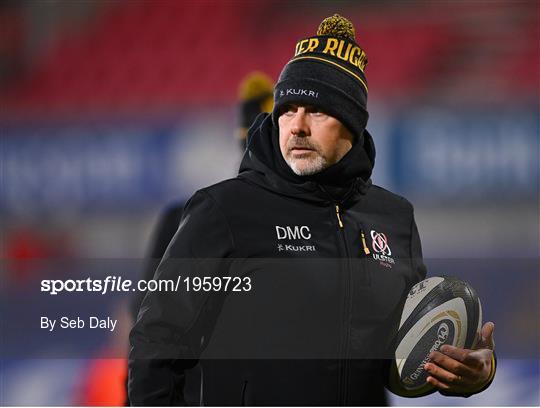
<point>437,311</point>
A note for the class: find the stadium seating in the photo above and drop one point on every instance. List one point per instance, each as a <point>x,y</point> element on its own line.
<point>145,56</point>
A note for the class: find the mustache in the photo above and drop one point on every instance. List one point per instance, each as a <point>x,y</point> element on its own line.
<point>300,142</point>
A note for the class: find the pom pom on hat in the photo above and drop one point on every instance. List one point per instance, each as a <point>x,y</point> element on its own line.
<point>337,26</point>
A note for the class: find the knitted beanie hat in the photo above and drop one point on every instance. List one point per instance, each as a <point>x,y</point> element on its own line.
<point>255,96</point>
<point>327,71</point>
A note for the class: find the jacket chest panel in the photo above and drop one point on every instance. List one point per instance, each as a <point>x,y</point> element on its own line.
<point>287,230</point>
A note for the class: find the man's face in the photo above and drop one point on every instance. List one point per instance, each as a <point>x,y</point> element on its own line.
<point>310,140</point>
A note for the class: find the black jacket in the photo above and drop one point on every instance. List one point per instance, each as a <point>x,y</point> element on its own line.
<point>329,258</point>
<point>164,231</point>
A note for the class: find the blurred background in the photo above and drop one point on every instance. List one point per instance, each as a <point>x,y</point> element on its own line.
<point>113,110</point>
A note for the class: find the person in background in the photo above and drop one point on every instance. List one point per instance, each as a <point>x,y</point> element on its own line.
<point>255,95</point>
<point>104,382</point>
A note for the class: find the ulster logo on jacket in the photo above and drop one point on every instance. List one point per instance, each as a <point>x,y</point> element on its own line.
<point>381,249</point>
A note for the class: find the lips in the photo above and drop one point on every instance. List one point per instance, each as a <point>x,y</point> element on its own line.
<point>301,149</point>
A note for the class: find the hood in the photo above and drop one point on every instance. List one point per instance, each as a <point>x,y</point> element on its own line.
<point>264,165</point>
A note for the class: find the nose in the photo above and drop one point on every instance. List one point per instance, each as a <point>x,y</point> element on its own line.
<point>300,123</point>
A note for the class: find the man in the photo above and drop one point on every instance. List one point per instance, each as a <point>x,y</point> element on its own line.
<point>321,258</point>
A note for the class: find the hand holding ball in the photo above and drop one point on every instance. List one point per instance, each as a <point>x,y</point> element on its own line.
<point>437,311</point>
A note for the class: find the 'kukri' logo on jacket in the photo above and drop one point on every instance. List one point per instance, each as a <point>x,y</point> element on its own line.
<point>286,233</point>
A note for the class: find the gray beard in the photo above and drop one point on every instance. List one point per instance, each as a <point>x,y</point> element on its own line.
<point>314,166</point>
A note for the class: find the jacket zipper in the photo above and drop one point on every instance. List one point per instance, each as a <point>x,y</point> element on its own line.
<point>343,364</point>
<point>244,388</point>
<point>366,249</point>
<point>339,217</point>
